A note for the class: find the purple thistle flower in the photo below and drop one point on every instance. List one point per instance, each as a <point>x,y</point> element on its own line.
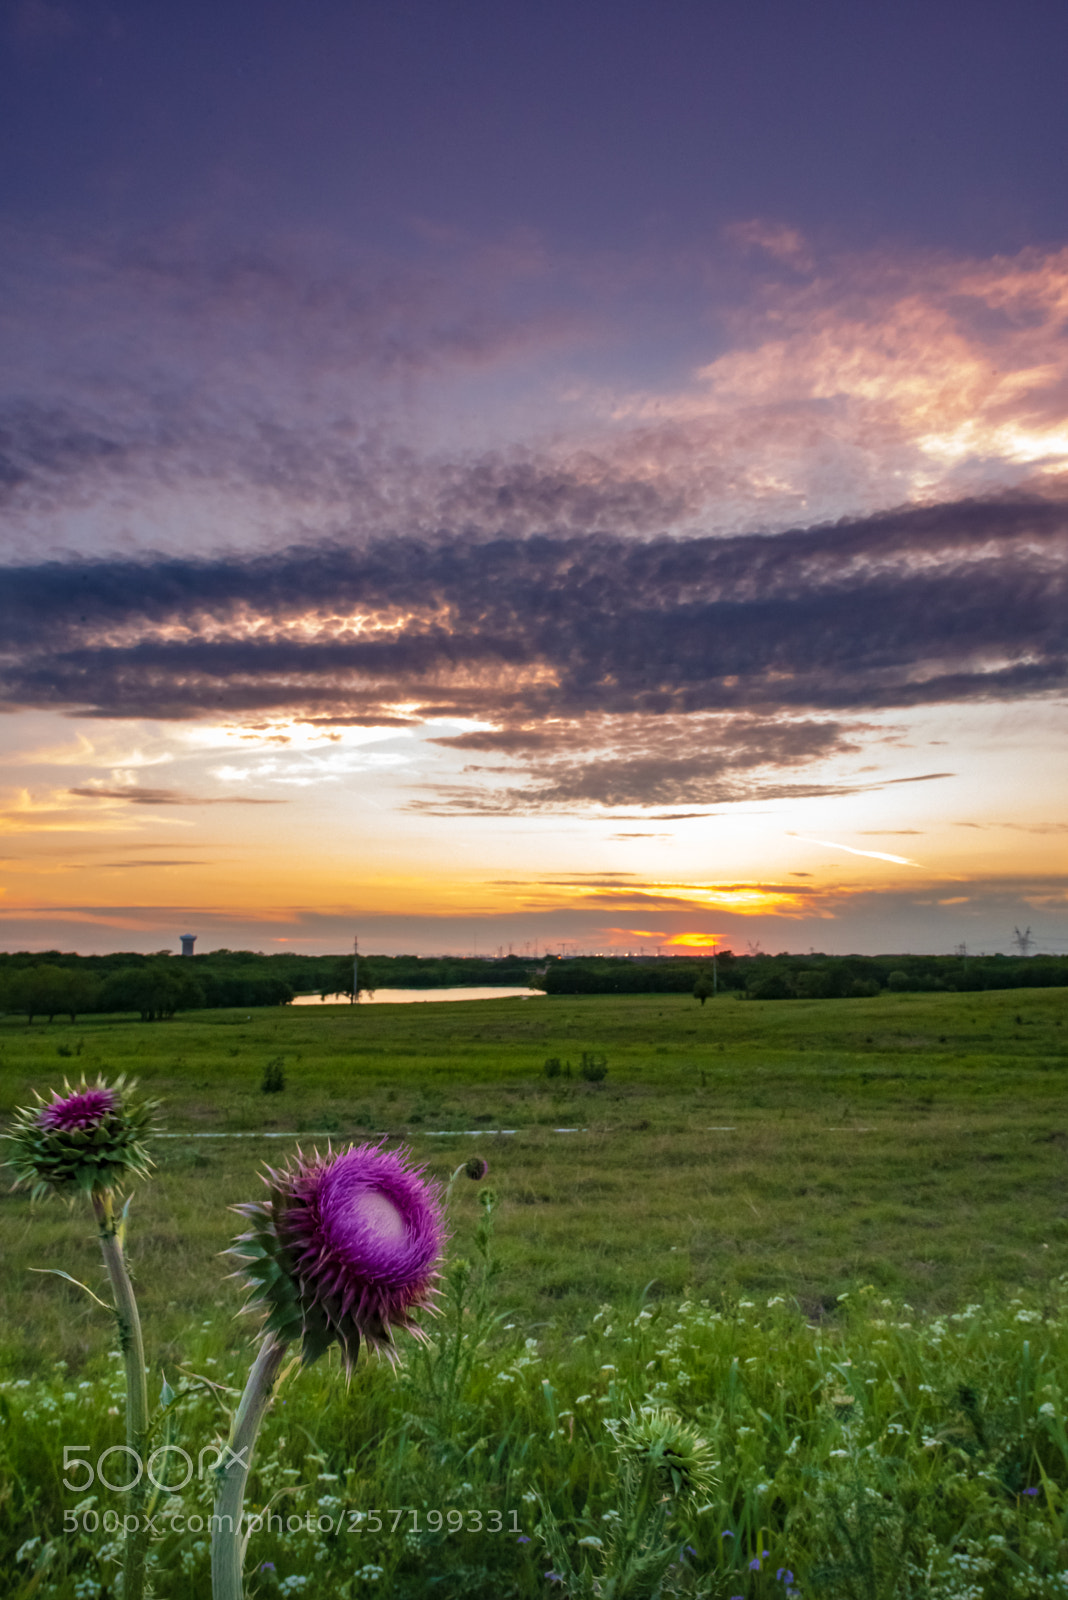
<point>85,1108</point>
<point>91,1138</point>
<point>346,1248</point>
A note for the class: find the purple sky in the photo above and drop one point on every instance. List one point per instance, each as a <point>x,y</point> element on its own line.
<point>586,473</point>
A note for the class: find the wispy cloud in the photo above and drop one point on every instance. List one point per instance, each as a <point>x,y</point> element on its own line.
<point>136,795</point>
<point>180,387</point>
<point>851,850</point>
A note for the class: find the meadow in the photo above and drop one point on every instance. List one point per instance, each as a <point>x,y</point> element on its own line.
<point>831,1232</point>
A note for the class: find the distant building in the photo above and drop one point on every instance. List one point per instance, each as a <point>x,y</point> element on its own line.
<point>188,941</point>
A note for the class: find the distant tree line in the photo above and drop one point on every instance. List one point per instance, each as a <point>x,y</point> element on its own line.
<point>58,984</point>
<point>811,977</point>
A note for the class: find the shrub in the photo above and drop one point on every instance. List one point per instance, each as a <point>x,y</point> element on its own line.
<point>704,988</point>
<point>592,1067</point>
<point>274,1076</point>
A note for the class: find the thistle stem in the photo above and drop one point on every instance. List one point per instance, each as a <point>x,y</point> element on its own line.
<point>227,1544</point>
<point>133,1354</point>
<point>449,1186</point>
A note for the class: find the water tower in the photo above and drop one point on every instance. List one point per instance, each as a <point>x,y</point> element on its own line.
<point>188,941</point>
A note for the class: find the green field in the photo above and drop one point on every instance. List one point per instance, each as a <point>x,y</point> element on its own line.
<point>764,1160</point>
<point>915,1143</point>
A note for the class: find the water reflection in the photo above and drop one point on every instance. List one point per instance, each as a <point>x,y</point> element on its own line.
<point>393,997</point>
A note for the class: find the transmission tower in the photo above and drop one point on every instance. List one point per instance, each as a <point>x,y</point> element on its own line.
<point>1022,941</point>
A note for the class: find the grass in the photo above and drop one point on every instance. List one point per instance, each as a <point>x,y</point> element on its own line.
<point>873,1456</point>
<point>762,1159</point>
<point>915,1143</point>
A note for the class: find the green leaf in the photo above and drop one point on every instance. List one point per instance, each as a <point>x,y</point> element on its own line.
<point>55,1272</point>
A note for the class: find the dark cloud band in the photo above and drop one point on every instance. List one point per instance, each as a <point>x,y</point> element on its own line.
<point>947,603</point>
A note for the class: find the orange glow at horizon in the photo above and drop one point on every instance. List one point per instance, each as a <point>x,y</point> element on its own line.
<point>743,899</point>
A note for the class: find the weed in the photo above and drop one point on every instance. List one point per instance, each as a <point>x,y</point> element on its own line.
<point>594,1068</point>
<point>274,1076</point>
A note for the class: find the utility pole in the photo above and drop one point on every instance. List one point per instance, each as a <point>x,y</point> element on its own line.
<point>355,969</point>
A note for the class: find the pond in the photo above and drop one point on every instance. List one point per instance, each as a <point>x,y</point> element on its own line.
<point>403,997</point>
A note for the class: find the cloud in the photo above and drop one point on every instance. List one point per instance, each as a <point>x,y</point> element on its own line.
<point>136,866</point>
<point>137,795</point>
<point>603,668</point>
<point>184,388</point>
<point>927,605</point>
<point>746,898</point>
<point>602,786</point>
<point>264,385</point>
<point>782,243</point>
<point>1018,827</point>
<point>876,855</point>
<point>648,760</point>
<point>439,503</point>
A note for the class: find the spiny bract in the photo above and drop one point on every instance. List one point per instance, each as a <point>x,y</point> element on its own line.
<point>656,1439</point>
<point>86,1139</point>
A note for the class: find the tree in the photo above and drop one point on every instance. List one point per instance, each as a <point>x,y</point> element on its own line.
<point>339,981</point>
<point>773,986</point>
<point>81,993</point>
<point>811,984</point>
<point>703,988</point>
<point>152,990</point>
<point>39,991</point>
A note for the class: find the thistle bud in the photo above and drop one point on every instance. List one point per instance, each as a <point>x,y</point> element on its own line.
<point>476,1168</point>
<point>655,1440</point>
<point>85,1140</point>
<point>345,1247</point>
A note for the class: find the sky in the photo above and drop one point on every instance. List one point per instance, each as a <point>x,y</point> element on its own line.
<point>584,476</point>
